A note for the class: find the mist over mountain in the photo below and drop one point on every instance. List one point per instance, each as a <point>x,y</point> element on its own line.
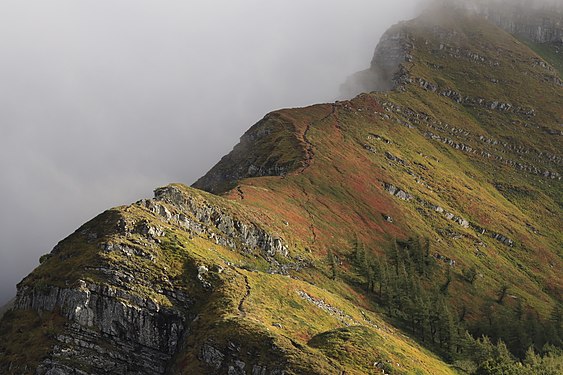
<point>536,22</point>
<point>102,101</point>
<point>411,227</point>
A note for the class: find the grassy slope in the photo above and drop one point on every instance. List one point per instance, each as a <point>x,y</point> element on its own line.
<point>339,199</point>
<point>551,52</point>
<point>273,299</point>
<point>344,185</point>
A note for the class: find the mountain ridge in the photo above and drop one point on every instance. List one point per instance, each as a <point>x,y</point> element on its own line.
<point>270,276</point>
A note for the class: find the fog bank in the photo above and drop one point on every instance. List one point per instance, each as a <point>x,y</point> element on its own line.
<point>102,101</point>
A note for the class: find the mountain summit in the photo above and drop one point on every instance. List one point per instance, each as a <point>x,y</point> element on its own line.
<point>383,234</point>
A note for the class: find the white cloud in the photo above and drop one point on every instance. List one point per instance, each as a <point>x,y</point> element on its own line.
<point>104,100</point>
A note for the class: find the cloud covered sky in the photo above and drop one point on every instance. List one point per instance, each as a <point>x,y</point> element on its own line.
<point>101,101</point>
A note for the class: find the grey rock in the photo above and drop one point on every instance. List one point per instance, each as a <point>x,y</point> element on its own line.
<point>370,148</point>
<point>246,160</point>
<point>394,158</point>
<point>386,71</point>
<point>108,315</point>
<point>203,218</point>
<point>212,356</point>
<point>387,218</point>
<point>397,192</point>
<point>56,371</point>
<point>237,369</point>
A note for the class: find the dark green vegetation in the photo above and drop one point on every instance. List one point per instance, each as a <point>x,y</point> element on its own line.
<point>409,284</point>
<point>311,256</point>
<point>31,334</point>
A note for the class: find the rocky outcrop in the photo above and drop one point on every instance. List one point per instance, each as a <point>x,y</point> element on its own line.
<point>110,331</point>
<point>387,70</point>
<point>495,150</point>
<point>494,235</point>
<point>393,49</point>
<point>112,324</point>
<point>202,217</point>
<point>113,328</point>
<point>228,361</point>
<point>255,156</point>
<point>331,310</point>
<point>469,101</point>
<point>397,192</point>
<point>403,195</point>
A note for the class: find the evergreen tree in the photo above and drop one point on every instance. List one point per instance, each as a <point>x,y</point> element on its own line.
<point>377,270</point>
<point>502,293</point>
<point>422,314</point>
<point>531,359</point>
<point>402,280</point>
<point>554,327</point>
<point>470,274</point>
<point>364,263</point>
<point>481,350</point>
<point>395,256</point>
<point>446,285</point>
<point>501,363</point>
<point>333,263</point>
<point>384,282</point>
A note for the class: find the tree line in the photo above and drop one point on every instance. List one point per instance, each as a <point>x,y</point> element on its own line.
<point>414,289</point>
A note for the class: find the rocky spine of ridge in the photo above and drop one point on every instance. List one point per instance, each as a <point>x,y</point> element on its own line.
<point>539,24</point>
<point>392,51</point>
<point>248,159</point>
<point>123,312</point>
<point>111,328</point>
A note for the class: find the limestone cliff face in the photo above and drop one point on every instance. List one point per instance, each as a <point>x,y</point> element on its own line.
<point>391,52</point>
<point>122,318</point>
<point>540,22</point>
<point>535,27</point>
<point>229,231</point>
<point>109,329</point>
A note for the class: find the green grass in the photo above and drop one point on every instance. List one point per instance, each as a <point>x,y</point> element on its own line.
<point>552,53</point>
<point>30,337</point>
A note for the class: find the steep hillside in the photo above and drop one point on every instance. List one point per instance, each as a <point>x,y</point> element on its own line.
<point>362,236</point>
<point>190,283</point>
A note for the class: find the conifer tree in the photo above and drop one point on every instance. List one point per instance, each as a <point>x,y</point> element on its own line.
<point>502,293</point>
<point>446,285</point>
<point>470,274</point>
<point>333,264</point>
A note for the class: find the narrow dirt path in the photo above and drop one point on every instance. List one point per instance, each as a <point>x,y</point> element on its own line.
<point>309,156</point>
<point>241,308</point>
<point>240,193</point>
<point>248,289</point>
<point>309,148</point>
